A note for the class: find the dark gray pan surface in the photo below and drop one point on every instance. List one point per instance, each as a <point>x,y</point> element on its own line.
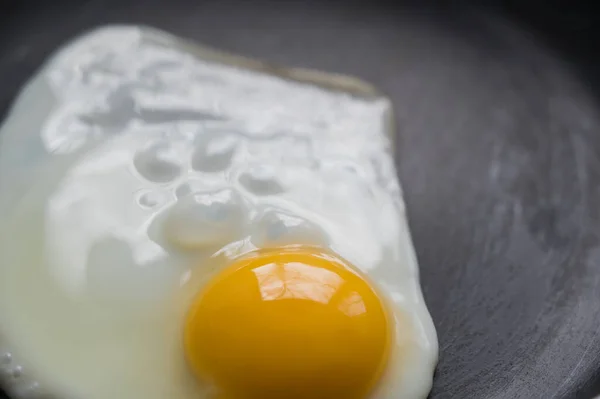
<point>498,153</point>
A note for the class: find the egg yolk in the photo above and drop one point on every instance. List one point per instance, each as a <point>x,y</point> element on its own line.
<point>293,324</point>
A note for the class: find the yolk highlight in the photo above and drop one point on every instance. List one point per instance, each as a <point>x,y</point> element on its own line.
<point>293,324</point>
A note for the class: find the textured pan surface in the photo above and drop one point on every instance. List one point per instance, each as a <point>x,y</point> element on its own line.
<point>497,150</point>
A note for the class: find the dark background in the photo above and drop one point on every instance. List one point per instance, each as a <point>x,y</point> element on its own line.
<point>499,154</point>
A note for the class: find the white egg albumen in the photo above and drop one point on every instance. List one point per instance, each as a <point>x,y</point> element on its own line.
<point>132,153</point>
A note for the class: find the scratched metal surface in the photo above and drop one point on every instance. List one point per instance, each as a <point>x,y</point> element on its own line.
<point>498,153</point>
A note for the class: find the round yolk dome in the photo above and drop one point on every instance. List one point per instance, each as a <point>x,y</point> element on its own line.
<point>294,324</point>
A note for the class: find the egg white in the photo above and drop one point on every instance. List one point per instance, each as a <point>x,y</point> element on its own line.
<point>135,166</point>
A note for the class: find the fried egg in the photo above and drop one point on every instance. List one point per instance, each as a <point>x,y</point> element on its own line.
<point>179,223</point>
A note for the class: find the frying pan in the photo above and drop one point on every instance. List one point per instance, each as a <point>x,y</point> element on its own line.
<point>498,129</point>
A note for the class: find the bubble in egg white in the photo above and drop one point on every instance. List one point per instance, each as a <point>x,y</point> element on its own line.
<point>29,389</point>
<point>5,359</point>
<point>214,154</point>
<point>277,228</point>
<point>17,372</point>
<point>150,199</point>
<point>205,219</point>
<point>183,190</point>
<point>157,163</point>
<point>261,180</point>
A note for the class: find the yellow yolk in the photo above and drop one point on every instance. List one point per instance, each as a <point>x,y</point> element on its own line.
<point>293,324</point>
